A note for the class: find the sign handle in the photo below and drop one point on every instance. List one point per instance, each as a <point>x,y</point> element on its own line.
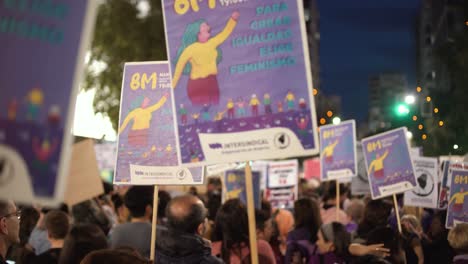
<point>397,212</point>
<point>337,200</point>
<point>155,220</point>
<point>251,214</point>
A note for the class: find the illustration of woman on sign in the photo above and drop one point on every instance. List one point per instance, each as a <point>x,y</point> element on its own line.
<point>198,56</point>
<point>141,116</point>
<point>377,165</point>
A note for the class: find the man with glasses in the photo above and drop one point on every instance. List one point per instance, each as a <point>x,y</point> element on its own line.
<point>9,227</point>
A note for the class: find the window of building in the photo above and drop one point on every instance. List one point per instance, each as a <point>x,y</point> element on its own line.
<point>427,29</point>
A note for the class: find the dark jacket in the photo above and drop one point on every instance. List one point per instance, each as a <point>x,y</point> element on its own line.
<point>460,259</point>
<point>175,247</point>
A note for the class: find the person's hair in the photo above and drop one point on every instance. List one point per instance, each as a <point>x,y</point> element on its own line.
<point>260,219</point>
<point>307,214</point>
<point>191,36</point>
<point>4,205</point>
<point>57,224</point>
<point>391,240</point>
<point>163,200</point>
<point>412,220</point>
<point>336,233</point>
<point>137,199</point>
<point>188,222</point>
<point>330,192</point>
<point>213,204</point>
<point>117,201</point>
<point>232,226</point>
<point>113,256</point>
<point>29,218</point>
<point>81,240</point>
<point>266,207</point>
<point>458,238</point>
<point>376,214</point>
<point>356,210</point>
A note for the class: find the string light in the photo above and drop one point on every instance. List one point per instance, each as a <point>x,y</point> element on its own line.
<point>436,110</point>
<point>424,137</point>
<point>428,99</point>
<point>329,113</point>
<point>322,121</point>
<point>420,127</point>
<point>315,91</point>
<point>418,89</point>
<point>441,123</point>
<point>415,118</point>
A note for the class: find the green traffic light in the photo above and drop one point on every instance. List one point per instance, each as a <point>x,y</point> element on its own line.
<point>402,109</point>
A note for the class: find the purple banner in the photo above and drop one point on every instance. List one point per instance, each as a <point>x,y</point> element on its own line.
<point>389,164</point>
<point>42,56</point>
<point>457,204</point>
<point>338,151</point>
<point>146,132</point>
<point>240,66</point>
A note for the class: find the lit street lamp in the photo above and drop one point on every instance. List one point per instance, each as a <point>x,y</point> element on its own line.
<point>336,120</point>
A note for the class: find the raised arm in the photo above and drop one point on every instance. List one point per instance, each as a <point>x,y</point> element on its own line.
<point>371,166</point>
<point>223,35</point>
<point>181,62</point>
<point>159,104</point>
<point>127,120</point>
<point>384,155</point>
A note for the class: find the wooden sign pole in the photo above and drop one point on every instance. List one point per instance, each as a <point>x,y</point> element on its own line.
<point>155,221</point>
<point>337,200</point>
<point>397,212</point>
<point>251,214</point>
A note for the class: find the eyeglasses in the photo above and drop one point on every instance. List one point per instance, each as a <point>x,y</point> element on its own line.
<point>17,214</point>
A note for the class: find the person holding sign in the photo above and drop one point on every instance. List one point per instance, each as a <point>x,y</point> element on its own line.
<point>141,117</point>
<point>201,51</point>
<point>377,165</point>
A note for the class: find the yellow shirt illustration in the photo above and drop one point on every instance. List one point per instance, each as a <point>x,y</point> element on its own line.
<point>142,116</point>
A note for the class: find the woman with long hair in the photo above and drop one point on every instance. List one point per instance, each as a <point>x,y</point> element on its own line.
<point>198,56</point>
<point>82,239</point>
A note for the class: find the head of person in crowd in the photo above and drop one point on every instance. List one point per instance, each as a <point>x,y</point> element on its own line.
<point>355,210</point>
<point>437,230</point>
<point>307,216</point>
<point>163,199</point>
<point>139,201</point>
<point>81,240</point>
<point>458,239</point>
<point>186,214</point>
<point>29,218</point>
<point>329,196</point>
<point>9,226</point>
<point>264,225</point>
<point>410,224</point>
<point>376,214</point>
<point>214,186</point>
<point>90,211</point>
<point>114,256</point>
<point>121,210</point>
<point>391,240</point>
<point>213,204</point>
<point>333,238</point>
<point>57,225</point>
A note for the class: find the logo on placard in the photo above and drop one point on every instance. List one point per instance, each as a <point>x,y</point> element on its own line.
<point>181,174</point>
<point>215,146</point>
<point>282,140</point>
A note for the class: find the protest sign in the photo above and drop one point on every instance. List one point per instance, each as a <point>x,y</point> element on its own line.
<point>282,173</point>
<point>457,204</point>
<point>338,151</point>
<point>446,180</point>
<point>147,153</point>
<point>426,192</point>
<point>42,56</point>
<point>388,163</point>
<point>241,73</point>
<point>234,186</point>
<point>311,168</point>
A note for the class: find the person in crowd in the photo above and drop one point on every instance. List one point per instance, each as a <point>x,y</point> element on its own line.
<point>121,210</point>
<point>302,238</point>
<point>81,240</point>
<point>232,236</point>
<point>391,240</point>
<point>9,227</point>
<point>136,233</point>
<point>57,225</point>
<point>411,241</point>
<point>90,211</point>
<point>264,225</point>
<point>458,239</point>
<point>329,207</point>
<point>332,243</point>
<point>23,252</point>
<point>435,244</point>
<point>283,223</point>
<point>163,199</point>
<point>38,238</point>
<point>113,256</point>
<point>354,211</point>
<point>181,241</point>
<point>376,214</point>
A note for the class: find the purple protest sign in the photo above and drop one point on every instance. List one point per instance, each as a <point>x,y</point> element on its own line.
<point>338,151</point>
<point>147,153</point>
<point>42,51</point>
<point>457,204</point>
<point>241,73</point>
<point>389,164</point>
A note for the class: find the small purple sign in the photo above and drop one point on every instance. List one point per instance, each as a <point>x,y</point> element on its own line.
<point>240,66</point>
<point>457,210</point>
<point>338,151</point>
<point>389,164</point>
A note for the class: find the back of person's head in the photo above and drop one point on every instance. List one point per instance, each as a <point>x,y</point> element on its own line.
<point>437,230</point>
<point>376,214</point>
<point>213,204</point>
<point>81,240</point>
<point>355,210</point>
<point>336,234</point>
<point>266,207</point>
<point>57,224</point>
<point>391,240</point>
<point>330,192</point>
<point>108,256</point>
<point>458,238</point>
<point>29,218</point>
<point>139,200</point>
<point>186,213</point>
<point>307,214</point>
<point>163,199</point>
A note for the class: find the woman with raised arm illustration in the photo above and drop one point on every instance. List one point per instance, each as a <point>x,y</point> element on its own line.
<point>377,165</point>
<point>199,56</point>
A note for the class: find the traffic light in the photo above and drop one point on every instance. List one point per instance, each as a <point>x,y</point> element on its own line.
<point>402,109</point>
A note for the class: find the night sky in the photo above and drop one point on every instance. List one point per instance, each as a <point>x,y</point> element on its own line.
<point>362,38</point>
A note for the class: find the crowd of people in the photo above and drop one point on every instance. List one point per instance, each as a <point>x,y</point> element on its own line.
<point>199,228</point>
